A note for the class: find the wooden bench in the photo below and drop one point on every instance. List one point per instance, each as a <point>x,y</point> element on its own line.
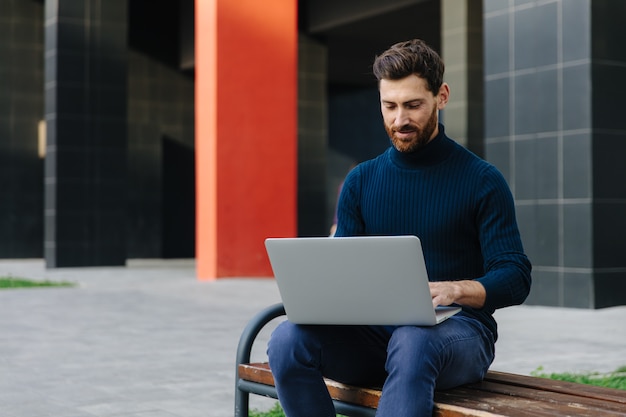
<point>499,394</point>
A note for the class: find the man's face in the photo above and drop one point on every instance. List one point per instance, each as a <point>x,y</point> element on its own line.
<point>410,111</point>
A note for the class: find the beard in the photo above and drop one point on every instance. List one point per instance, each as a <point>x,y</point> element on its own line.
<point>418,139</point>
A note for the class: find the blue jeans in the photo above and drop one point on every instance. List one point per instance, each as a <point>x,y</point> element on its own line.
<point>409,361</point>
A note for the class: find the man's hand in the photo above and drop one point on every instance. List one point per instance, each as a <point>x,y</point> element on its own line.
<point>466,293</point>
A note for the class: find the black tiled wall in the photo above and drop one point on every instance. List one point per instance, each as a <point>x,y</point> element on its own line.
<point>85,110</point>
<point>21,109</point>
<point>549,67</point>
<point>94,93</point>
<point>161,112</point>
<point>312,138</point>
<point>160,115</point>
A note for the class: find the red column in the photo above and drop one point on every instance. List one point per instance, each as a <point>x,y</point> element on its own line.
<point>246,133</point>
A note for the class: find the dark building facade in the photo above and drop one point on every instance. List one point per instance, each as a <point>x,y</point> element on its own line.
<point>109,176</point>
<point>21,110</point>
<point>97,124</point>
<point>554,75</point>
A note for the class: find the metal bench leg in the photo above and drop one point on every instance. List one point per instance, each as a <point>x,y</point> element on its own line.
<point>244,349</point>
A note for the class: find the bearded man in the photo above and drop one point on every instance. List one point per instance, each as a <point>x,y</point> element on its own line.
<point>462,210</point>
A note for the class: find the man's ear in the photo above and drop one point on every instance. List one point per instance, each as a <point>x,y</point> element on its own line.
<point>443,96</point>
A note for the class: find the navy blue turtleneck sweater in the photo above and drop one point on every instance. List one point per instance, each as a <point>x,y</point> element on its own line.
<point>459,206</point>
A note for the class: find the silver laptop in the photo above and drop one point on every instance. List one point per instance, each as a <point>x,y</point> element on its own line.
<point>375,280</point>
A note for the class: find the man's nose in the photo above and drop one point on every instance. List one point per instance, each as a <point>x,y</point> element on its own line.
<point>402,117</point>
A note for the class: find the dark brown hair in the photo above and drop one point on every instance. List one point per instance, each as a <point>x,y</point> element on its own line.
<point>410,57</point>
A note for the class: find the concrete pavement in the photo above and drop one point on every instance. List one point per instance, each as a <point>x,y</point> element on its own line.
<point>149,340</point>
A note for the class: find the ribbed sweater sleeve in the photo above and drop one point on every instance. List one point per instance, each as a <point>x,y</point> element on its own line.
<point>506,275</point>
<point>457,204</point>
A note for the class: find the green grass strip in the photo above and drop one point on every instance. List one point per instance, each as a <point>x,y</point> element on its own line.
<point>615,379</point>
<point>275,411</point>
<point>16,282</point>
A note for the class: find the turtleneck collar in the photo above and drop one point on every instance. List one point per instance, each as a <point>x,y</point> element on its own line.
<point>433,153</point>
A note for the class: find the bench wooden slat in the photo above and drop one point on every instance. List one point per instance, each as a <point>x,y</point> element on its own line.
<point>500,394</point>
<point>356,395</point>
<point>256,372</point>
<point>567,396</point>
<point>447,410</point>
<point>498,404</point>
<point>564,387</point>
<point>260,372</point>
<point>525,403</point>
